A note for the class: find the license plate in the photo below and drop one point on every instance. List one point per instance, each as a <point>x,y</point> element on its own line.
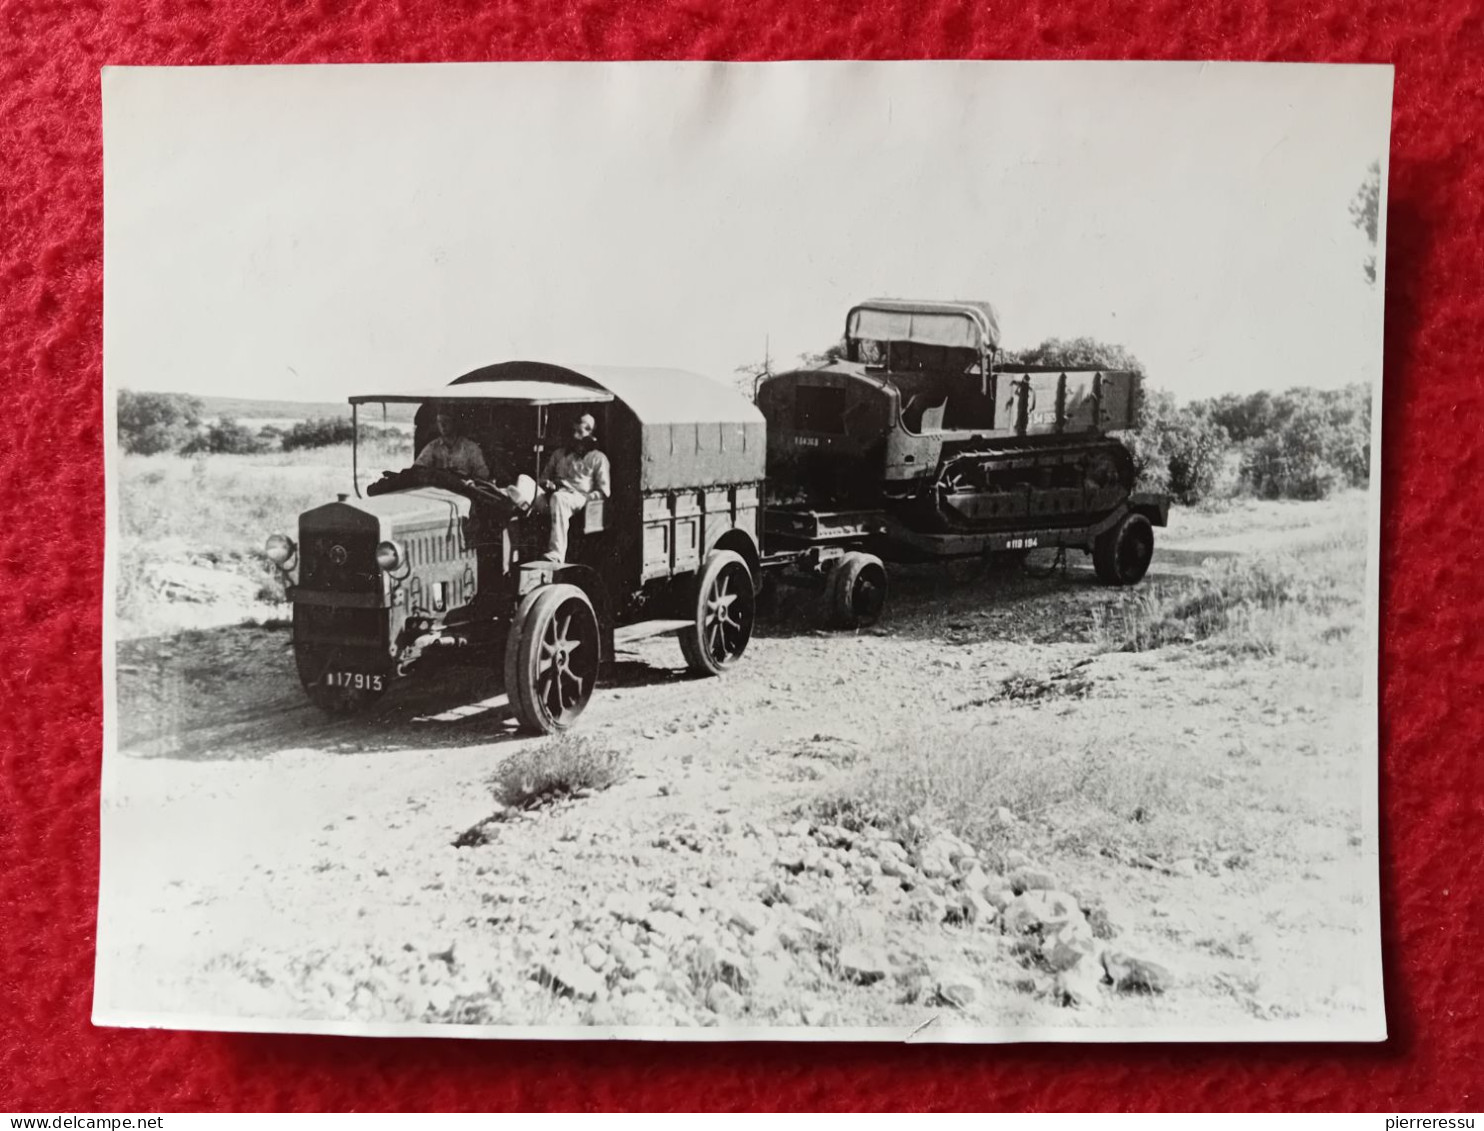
<point>355,681</point>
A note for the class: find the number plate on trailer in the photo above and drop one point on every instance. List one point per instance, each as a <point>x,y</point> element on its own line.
<point>355,681</point>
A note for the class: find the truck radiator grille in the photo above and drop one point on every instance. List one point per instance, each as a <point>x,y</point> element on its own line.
<point>340,561</point>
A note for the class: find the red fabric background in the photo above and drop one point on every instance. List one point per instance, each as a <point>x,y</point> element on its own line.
<point>51,513</point>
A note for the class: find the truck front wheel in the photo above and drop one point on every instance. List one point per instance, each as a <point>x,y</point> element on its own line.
<point>552,658</point>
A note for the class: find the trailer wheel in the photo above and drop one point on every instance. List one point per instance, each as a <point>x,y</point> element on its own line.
<point>722,609</point>
<point>552,658</point>
<point>1121,556</point>
<point>315,665</point>
<point>857,591</point>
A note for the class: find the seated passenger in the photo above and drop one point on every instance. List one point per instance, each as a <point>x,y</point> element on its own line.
<point>574,474</point>
<point>450,451</point>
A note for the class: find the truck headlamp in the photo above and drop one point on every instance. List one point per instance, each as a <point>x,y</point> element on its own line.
<point>388,556</point>
<point>280,549</point>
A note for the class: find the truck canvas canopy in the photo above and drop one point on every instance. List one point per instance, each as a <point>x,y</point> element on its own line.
<point>952,325</point>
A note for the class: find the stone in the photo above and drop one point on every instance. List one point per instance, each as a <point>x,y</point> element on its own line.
<point>568,978</point>
<point>1032,879</point>
<point>723,1000</point>
<point>973,878</point>
<point>1041,911</point>
<point>770,976</point>
<point>439,998</point>
<point>626,906</point>
<point>806,925</point>
<point>835,836</point>
<point>998,898</point>
<point>595,956</point>
<point>667,925</point>
<point>927,908</point>
<point>1130,974</point>
<point>1004,816</point>
<point>1069,945</point>
<point>766,941</point>
<point>629,957</point>
<point>935,858</point>
<point>645,981</point>
<point>898,868</point>
<point>790,861</point>
<point>726,964</point>
<point>1077,987</point>
<point>957,987</point>
<point>1184,867</point>
<point>863,965</point>
<point>751,916</point>
<point>602,1014</point>
<point>977,912</point>
<point>1098,916</point>
<point>1015,858</point>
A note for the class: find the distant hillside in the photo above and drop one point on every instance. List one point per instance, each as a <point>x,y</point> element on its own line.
<point>247,409</point>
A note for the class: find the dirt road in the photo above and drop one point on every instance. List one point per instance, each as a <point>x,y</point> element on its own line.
<point>263,862</point>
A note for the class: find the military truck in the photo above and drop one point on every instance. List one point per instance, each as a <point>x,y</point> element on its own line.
<point>423,569</point>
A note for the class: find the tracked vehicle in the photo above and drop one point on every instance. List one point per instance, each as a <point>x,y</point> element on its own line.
<point>916,445</point>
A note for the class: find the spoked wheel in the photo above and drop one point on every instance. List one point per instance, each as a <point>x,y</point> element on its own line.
<point>722,612</point>
<point>1121,556</point>
<point>857,591</point>
<point>339,685</point>
<point>552,658</point>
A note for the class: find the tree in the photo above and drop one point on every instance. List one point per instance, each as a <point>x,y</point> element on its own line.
<point>1319,441</point>
<point>1365,214</point>
<point>1074,353</point>
<point>150,423</point>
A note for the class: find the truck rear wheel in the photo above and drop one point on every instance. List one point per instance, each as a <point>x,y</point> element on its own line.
<point>722,608</point>
<point>334,684</point>
<point>552,658</point>
<point>857,591</point>
<point>1121,556</point>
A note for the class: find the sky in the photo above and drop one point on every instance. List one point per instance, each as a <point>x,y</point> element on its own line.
<point>306,233</point>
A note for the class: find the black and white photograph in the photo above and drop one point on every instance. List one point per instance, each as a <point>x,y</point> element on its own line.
<point>778,551</point>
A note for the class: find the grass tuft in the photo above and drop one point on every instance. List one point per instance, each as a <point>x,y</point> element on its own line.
<point>556,770</point>
<point>1287,605</point>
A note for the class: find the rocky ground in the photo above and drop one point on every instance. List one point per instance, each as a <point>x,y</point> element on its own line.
<point>1173,840</point>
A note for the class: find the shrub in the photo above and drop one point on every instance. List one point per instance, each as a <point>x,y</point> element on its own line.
<point>226,437</point>
<point>322,432</point>
<point>557,769</point>
<point>150,423</point>
<point>1179,450</point>
<point>328,431</point>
